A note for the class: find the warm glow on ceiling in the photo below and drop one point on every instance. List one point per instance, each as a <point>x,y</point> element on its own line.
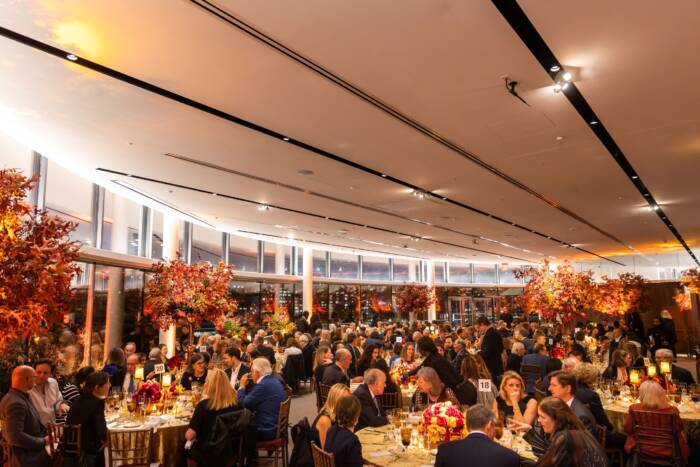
<point>78,37</point>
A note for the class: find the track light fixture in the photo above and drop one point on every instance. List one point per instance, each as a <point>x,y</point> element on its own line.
<point>263,207</point>
<point>419,194</point>
<point>562,80</point>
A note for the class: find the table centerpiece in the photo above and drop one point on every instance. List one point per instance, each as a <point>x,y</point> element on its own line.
<point>443,422</point>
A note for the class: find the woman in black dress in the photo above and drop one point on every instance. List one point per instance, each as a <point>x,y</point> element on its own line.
<point>512,400</point>
<point>368,359</point>
<point>326,417</point>
<point>88,411</point>
<point>196,372</point>
<point>340,439</point>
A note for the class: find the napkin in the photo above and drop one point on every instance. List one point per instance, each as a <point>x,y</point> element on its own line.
<point>380,454</point>
<point>154,423</point>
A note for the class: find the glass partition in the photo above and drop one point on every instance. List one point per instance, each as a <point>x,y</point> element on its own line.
<point>460,273</point>
<point>344,302</point>
<point>375,268</point>
<point>400,270</point>
<point>321,301</point>
<point>206,245</point>
<point>243,253</point>
<point>344,266</point>
<point>376,302</point>
<point>485,274</point>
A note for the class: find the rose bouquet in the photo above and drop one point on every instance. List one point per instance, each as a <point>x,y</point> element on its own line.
<point>399,372</point>
<point>150,391</point>
<point>443,422</point>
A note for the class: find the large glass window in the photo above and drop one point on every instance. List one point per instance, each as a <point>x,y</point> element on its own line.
<point>70,197</point>
<point>439,272</point>
<point>320,265</point>
<point>156,235</point>
<point>375,268</point>
<point>344,266</point>
<point>120,227</point>
<point>460,273</point>
<point>247,296</point>
<point>344,302</point>
<point>276,258</point>
<point>243,253</point>
<point>376,302</point>
<point>400,270</point>
<point>506,274</point>
<point>485,274</point>
<point>321,301</point>
<point>206,245</point>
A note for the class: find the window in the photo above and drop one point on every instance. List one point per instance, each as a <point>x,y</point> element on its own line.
<point>120,227</point>
<point>247,295</point>
<point>344,302</point>
<point>460,273</point>
<point>375,268</point>
<point>506,274</point>
<point>206,245</point>
<point>156,235</point>
<point>400,270</point>
<point>243,253</point>
<point>376,302</point>
<point>485,274</point>
<point>276,258</point>
<point>319,259</point>
<point>344,266</point>
<point>321,301</point>
<point>440,272</point>
<point>70,197</point>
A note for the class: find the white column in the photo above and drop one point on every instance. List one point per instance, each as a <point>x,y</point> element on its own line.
<point>114,319</point>
<point>279,269</point>
<point>308,281</point>
<point>171,246</point>
<point>412,271</point>
<point>430,280</point>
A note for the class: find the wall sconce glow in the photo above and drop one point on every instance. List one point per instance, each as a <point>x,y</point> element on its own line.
<point>78,35</point>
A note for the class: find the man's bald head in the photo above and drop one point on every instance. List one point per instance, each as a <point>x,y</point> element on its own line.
<point>23,378</point>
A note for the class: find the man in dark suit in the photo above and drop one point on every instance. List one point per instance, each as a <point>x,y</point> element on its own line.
<point>563,386</point>
<point>372,412</point>
<point>263,398</point>
<point>678,374</point>
<point>265,350</point>
<point>22,430</point>
<point>234,368</point>
<point>478,448</point>
<point>351,345</point>
<point>539,357</point>
<point>149,368</point>
<point>491,347</point>
<point>338,372</point>
<point>515,357</point>
<point>307,350</point>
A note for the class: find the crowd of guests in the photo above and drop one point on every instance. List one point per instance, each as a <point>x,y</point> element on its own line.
<point>537,377</point>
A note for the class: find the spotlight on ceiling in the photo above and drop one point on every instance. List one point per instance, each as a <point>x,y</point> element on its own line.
<point>263,207</point>
<point>419,194</point>
<point>562,80</point>
<point>554,68</point>
<point>72,57</point>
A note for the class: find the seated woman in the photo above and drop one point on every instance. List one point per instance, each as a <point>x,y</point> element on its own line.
<point>620,362</point>
<point>292,348</point>
<point>88,411</point>
<point>653,397</point>
<point>636,359</point>
<point>408,356</point>
<point>431,389</point>
<point>368,359</point>
<point>323,358</point>
<point>473,369</point>
<point>340,439</point>
<point>569,442</point>
<point>326,417</point>
<point>218,398</point>
<point>512,400</point>
<point>196,371</point>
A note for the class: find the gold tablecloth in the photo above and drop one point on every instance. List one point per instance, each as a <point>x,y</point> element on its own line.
<point>616,412</point>
<point>167,442</point>
<point>377,449</point>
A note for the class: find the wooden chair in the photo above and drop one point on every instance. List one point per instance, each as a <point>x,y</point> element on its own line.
<point>656,431</point>
<point>323,390</point>
<point>321,457</point>
<point>391,400</point>
<point>540,391</point>
<point>129,448</point>
<point>55,432</point>
<point>614,455</point>
<point>317,390</point>
<point>278,445</point>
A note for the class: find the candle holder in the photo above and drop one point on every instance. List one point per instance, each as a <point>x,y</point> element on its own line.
<point>634,377</point>
<point>651,371</point>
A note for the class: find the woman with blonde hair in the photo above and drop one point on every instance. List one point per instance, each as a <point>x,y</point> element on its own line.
<point>218,398</point>
<point>408,357</point>
<point>512,400</point>
<point>653,397</point>
<point>326,417</point>
<point>323,358</point>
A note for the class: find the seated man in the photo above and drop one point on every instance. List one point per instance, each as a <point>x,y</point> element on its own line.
<point>478,448</point>
<point>264,398</point>
<point>45,395</point>
<point>563,386</point>
<point>338,372</point>
<point>678,374</point>
<point>372,413</point>
<point>235,369</point>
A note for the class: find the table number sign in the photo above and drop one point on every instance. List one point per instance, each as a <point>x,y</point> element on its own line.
<point>484,385</point>
<point>159,368</point>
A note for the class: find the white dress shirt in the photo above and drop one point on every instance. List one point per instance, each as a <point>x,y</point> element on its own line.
<point>46,400</point>
<point>234,375</point>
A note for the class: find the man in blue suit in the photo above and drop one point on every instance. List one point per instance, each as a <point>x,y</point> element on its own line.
<point>264,398</point>
<point>478,448</point>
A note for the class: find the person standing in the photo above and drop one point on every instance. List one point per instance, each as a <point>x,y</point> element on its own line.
<point>22,430</point>
<point>491,347</point>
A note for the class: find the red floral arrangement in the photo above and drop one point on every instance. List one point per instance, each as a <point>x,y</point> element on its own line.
<point>37,263</point>
<point>195,292</point>
<point>621,295</point>
<point>414,298</point>
<point>150,391</point>
<point>443,422</point>
<point>690,281</point>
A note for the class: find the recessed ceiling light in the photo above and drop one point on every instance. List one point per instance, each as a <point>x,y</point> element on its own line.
<point>655,207</point>
<point>567,76</point>
<point>554,68</point>
<point>72,57</point>
<point>384,175</point>
<point>263,207</point>
<point>594,122</point>
<point>305,172</point>
<point>557,87</point>
<point>286,138</point>
<point>215,194</point>
<point>635,177</point>
<point>559,138</point>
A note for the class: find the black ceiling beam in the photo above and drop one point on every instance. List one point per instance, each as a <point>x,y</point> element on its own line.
<point>144,85</point>
<point>523,27</point>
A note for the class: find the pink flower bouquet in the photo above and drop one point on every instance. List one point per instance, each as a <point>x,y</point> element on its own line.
<point>443,422</point>
<point>150,391</point>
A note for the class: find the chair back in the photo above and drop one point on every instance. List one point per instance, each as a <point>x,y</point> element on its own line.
<point>55,432</point>
<point>317,390</point>
<point>283,418</point>
<point>130,448</point>
<point>323,390</point>
<point>70,439</point>
<point>391,400</point>
<point>321,457</point>
<point>655,432</point>
<point>601,434</point>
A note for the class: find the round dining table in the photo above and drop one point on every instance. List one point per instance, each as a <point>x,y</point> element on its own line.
<point>618,409</point>
<point>381,446</point>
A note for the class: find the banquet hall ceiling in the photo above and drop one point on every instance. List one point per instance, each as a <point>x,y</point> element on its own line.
<point>333,113</point>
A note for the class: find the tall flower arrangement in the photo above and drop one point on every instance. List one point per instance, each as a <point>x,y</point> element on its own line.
<point>37,263</point>
<point>619,296</point>
<point>414,298</point>
<point>562,292</point>
<point>690,280</point>
<point>193,292</point>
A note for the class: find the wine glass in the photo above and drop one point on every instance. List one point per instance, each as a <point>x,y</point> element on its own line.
<point>406,431</point>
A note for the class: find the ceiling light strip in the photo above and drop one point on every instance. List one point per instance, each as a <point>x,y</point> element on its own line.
<point>49,49</point>
<point>373,100</point>
<point>527,32</point>
<point>296,211</point>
